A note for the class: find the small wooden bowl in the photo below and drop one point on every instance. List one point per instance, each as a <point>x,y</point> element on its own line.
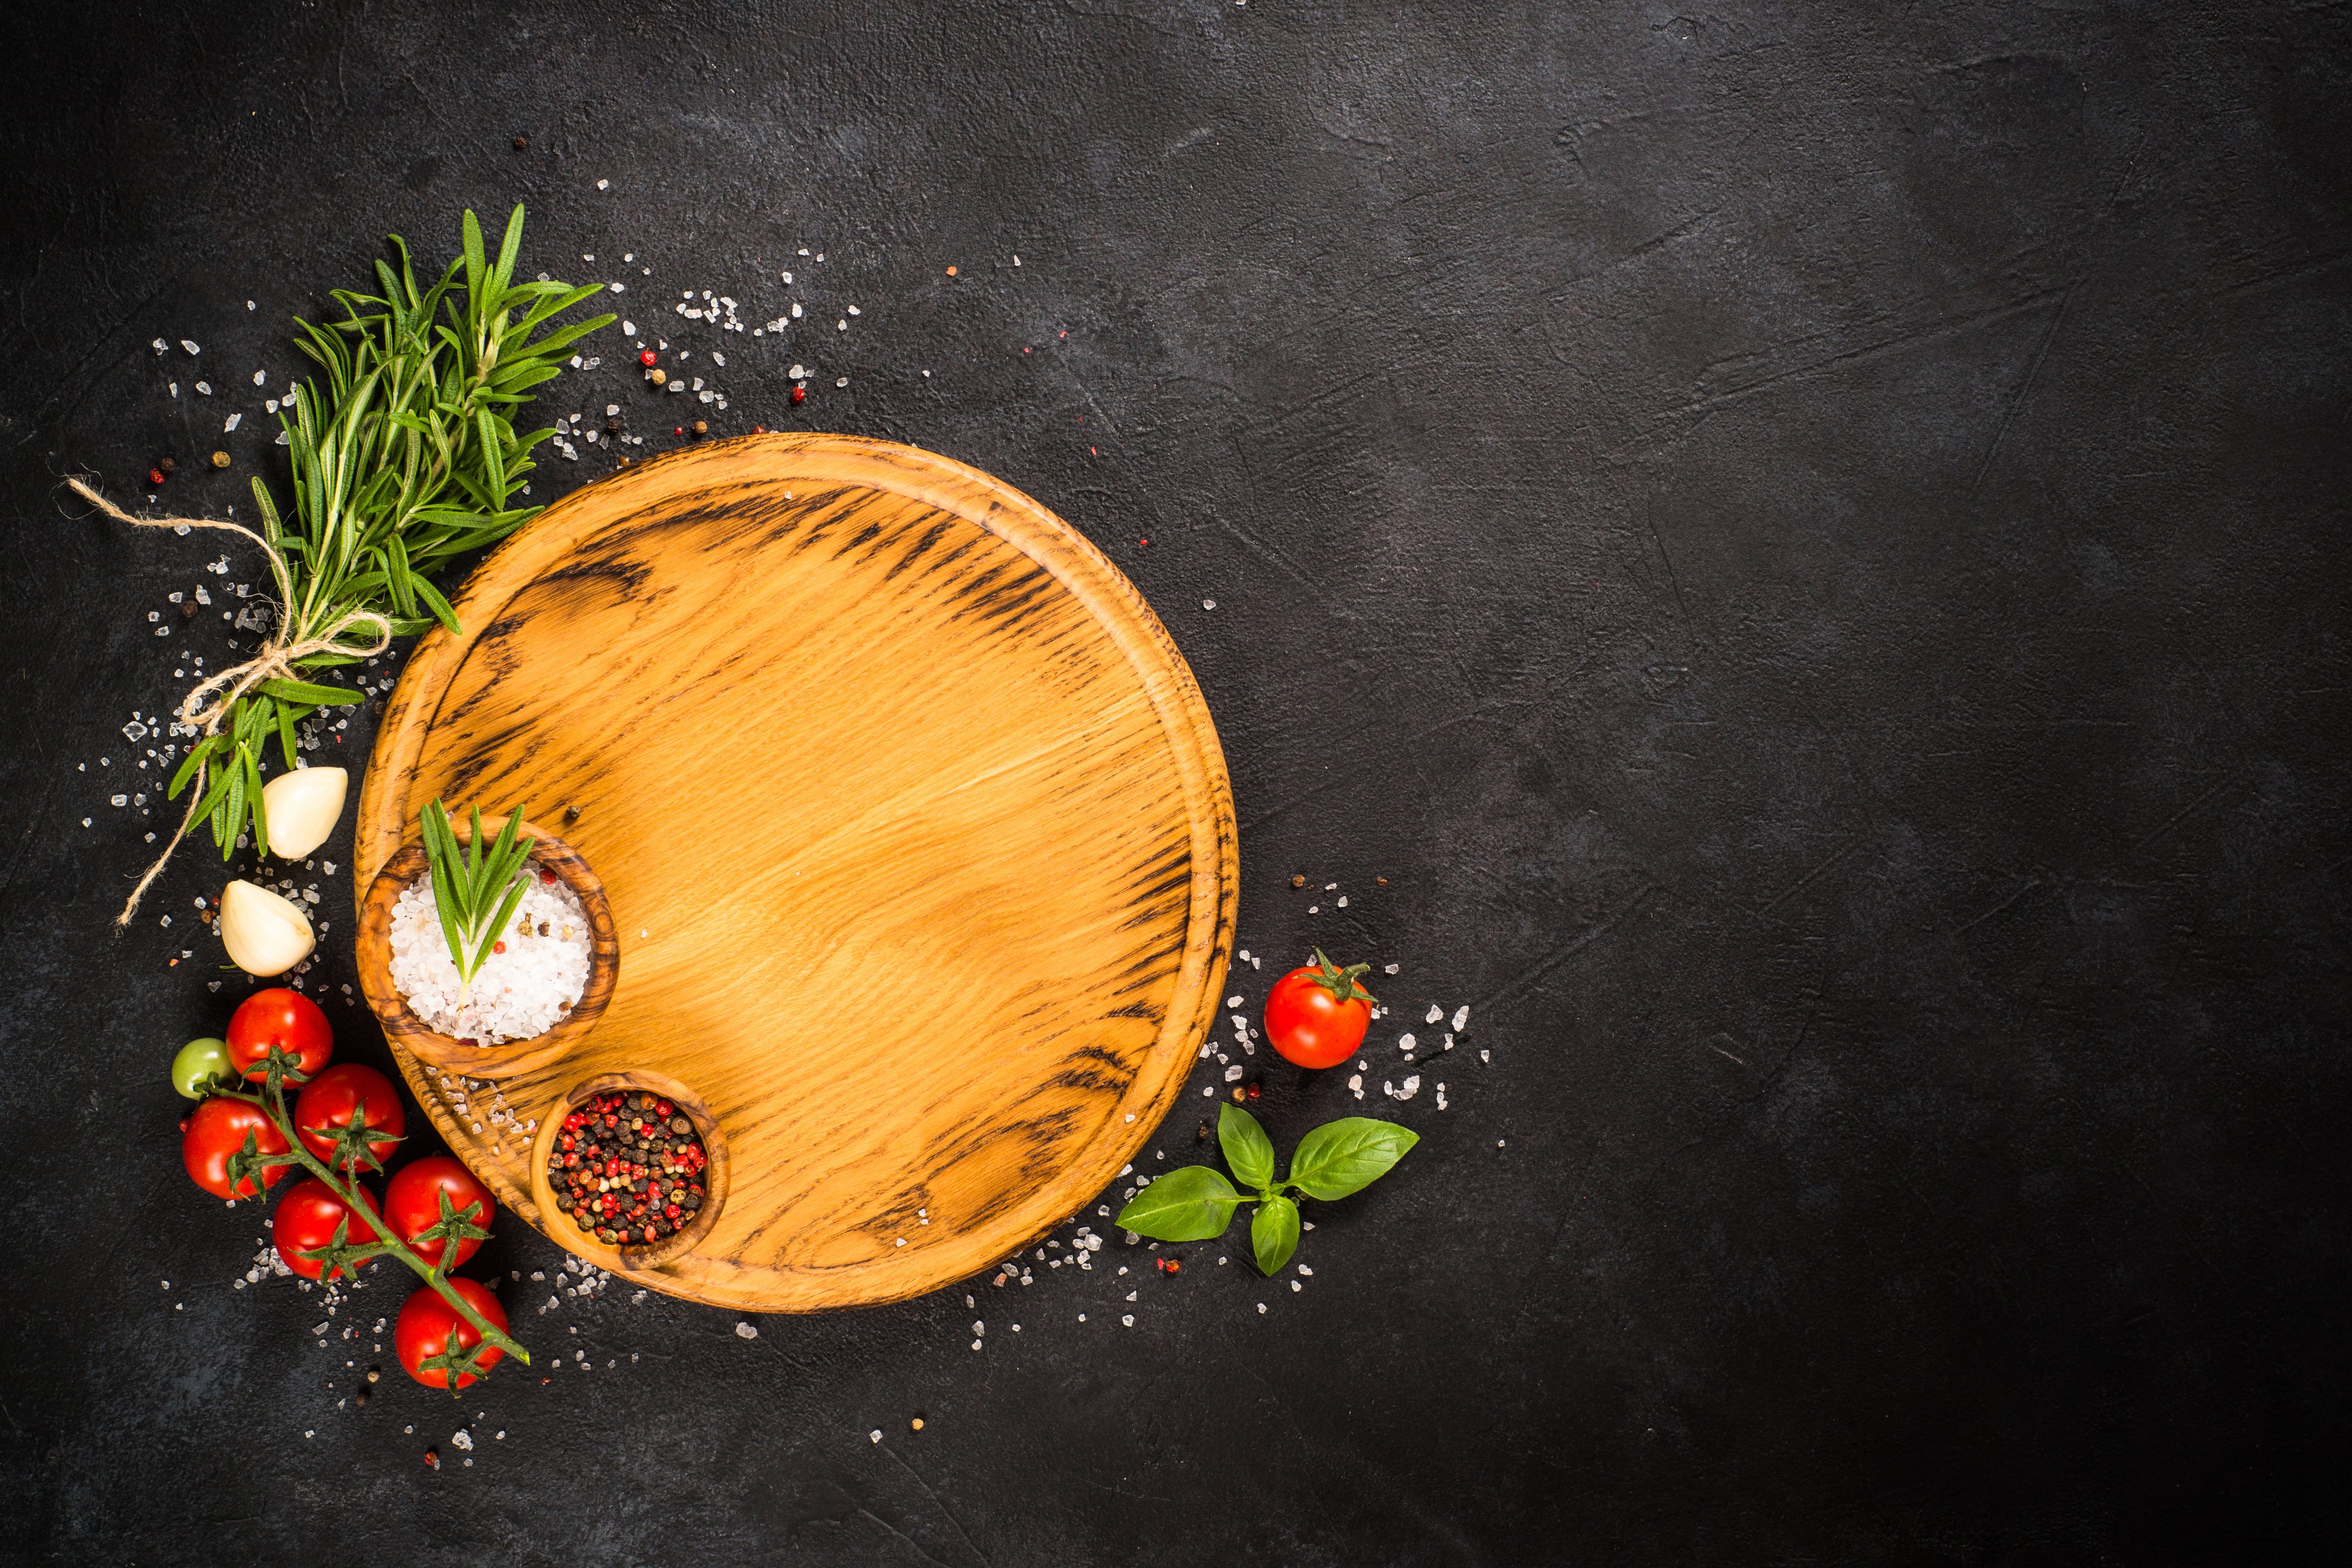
<point>374,952</point>
<point>566,1233</point>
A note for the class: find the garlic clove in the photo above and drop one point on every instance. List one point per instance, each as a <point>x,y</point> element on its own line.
<point>264,933</point>
<point>302,807</point>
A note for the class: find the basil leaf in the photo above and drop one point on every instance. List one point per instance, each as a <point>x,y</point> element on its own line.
<point>1247,1148</point>
<point>1274,1234</point>
<point>1347,1155</point>
<point>1193,1204</point>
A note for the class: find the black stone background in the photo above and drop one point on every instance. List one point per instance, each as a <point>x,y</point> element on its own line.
<point>1807,543</point>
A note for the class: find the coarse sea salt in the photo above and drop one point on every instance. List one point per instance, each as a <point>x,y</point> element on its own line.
<point>517,994</point>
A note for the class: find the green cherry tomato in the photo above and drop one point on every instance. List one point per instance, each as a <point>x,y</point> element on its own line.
<point>200,1064</point>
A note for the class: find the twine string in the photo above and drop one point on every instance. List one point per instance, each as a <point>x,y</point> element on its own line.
<point>353,633</point>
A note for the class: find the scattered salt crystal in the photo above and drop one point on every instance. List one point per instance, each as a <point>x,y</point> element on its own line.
<point>1435,1013</point>
<point>746,1331</point>
<point>191,347</point>
<point>1462,1017</point>
<point>1389,969</point>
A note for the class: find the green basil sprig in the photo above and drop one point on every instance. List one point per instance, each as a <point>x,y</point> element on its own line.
<point>1195,1203</point>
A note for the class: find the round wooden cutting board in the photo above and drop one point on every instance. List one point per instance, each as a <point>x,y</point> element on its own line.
<point>916,835</point>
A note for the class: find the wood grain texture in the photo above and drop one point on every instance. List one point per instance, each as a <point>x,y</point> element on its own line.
<point>913,823</point>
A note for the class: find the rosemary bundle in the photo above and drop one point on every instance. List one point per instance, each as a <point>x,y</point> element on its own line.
<point>404,459</point>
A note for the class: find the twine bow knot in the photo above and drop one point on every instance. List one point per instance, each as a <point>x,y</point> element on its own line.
<point>213,697</point>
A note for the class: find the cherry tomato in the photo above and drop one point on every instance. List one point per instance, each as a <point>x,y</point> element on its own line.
<point>344,1091</point>
<point>305,1220</point>
<point>428,1322</point>
<point>412,1204</point>
<point>281,1017</point>
<point>1317,1016</point>
<point>216,1129</point>
<point>199,1066</point>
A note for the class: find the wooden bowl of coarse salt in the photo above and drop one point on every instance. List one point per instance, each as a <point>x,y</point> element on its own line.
<point>544,988</point>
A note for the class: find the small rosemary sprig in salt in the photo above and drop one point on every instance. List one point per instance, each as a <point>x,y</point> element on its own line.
<point>467,884</point>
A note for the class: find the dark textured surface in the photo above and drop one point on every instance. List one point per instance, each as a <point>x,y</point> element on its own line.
<point>1807,547</point>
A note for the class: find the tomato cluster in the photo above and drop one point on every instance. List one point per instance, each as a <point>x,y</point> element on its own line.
<point>349,1116</point>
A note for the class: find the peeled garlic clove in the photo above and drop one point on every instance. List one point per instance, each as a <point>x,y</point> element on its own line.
<point>264,933</point>
<point>302,807</point>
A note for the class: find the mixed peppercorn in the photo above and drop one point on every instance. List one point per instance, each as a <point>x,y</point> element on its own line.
<point>627,1167</point>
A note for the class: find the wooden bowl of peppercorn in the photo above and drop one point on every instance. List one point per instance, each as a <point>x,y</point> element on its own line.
<point>562,1223</point>
<point>550,857</point>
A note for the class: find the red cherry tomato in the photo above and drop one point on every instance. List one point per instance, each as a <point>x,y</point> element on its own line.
<point>1317,1016</point>
<point>216,1129</point>
<point>305,1220</point>
<point>344,1091</point>
<point>412,1204</point>
<point>428,1323</point>
<point>281,1017</point>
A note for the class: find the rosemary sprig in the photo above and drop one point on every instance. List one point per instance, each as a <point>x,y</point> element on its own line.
<point>468,883</point>
<point>406,459</point>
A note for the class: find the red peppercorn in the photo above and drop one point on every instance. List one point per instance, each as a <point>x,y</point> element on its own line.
<point>664,1108</point>
<point>497,947</point>
<point>680,431</point>
<point>799,395</point>
<point>671,1210</point>
<point>646,357</point>
<point>154,476</point>
<point>1252,1091</point>
<point>548,878</point>
<point>759,429</point>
